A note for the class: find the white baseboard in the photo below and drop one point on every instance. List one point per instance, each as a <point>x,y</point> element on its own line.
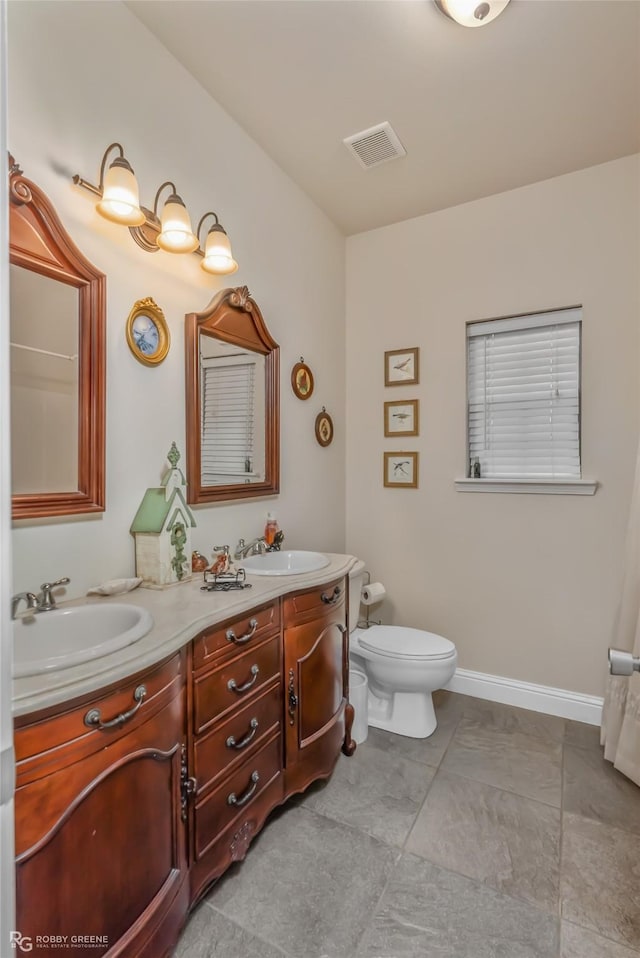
<point>525,695</point>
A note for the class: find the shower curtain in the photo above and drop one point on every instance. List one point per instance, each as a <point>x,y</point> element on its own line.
<point>620,733</point>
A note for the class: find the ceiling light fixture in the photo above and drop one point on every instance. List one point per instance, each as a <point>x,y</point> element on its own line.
<point>170,230</point>
<point>471,13</point>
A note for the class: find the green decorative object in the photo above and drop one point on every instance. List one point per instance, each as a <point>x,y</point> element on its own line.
<point>162,530</point>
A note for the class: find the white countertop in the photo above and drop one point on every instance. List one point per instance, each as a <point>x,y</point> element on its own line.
<point>179,614</point>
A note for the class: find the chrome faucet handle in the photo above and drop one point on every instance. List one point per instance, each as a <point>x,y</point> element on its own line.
<point>238,554</point>
<point>46,599</point>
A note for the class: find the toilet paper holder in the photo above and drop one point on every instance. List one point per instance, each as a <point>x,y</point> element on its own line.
<point>367,622</point>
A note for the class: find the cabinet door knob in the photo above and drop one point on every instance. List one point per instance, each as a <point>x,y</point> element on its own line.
<point>241,639</point>
<point>234,687</point>
<point>93,719</point>
<point>233,799</point>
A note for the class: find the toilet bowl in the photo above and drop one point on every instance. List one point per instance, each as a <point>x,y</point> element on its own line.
<point>404,667</point>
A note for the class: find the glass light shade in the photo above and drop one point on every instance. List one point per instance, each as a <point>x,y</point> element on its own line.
<point>120,202</point>
<point>472,13</point>
<point>217,253</point>
<point>176,235</point>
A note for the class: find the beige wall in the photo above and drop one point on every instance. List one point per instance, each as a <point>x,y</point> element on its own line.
<point>82,75</point>
<point>525,585</point>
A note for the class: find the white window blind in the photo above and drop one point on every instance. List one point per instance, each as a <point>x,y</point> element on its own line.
<point>227,451</point>
<point>524,395</point>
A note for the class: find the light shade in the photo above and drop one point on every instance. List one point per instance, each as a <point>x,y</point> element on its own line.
<point>217,252</point>
<point>176,235</point>
<point>471,13</point>
<point>119,202</point>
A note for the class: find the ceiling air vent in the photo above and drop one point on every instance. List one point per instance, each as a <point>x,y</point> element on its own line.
<point>374,146</point>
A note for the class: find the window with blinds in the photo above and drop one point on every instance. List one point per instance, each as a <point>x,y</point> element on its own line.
<point>227,441</point>
<point>523,384</point>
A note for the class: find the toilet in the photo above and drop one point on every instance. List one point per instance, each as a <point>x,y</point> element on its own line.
<point>403,666</point>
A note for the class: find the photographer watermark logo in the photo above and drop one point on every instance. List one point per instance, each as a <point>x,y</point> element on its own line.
<point>23,942</point>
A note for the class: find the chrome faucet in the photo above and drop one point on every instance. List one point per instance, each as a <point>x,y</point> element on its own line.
<point>256,547</point>
<point>46,600</point>
<point>28,597</point>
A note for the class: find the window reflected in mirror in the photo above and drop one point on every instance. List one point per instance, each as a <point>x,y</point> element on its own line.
<point>44,383</point>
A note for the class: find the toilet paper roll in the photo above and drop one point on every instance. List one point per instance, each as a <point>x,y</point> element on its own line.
<point>372,593</point>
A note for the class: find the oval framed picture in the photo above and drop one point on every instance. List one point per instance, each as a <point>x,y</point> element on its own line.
<point>147,332</point>
<point>302,380</point>
<point>324,428</point>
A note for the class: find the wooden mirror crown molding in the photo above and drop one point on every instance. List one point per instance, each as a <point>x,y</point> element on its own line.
<point>40,243</point>
<point>232,316</point>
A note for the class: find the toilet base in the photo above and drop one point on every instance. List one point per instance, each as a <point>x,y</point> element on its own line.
<point>404,713</point>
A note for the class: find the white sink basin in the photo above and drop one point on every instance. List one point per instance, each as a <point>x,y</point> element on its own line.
<point>64,637</point>
<point>285,563</point>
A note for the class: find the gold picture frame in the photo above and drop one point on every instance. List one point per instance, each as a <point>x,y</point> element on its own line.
<point>401,470</point>
<point>401,418</point>
<point>401,367</point>
<point>147,332</point>
<point>302,381</point>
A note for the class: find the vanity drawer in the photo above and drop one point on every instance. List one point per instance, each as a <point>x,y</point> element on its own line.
<point>235,634</point>
<point>55,740</point>
<point>235,681</point>
<point>313,603</point>
<point>232,740</point>
<point>236,794</point>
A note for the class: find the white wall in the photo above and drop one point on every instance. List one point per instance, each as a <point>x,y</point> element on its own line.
<point>82,75</point>
<point>525,585</point>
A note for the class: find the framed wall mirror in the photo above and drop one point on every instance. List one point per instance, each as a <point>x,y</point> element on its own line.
<point>232,401</point>
<point>57,336</point>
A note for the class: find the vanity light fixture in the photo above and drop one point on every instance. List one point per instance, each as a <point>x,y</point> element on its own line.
<point>471,13</point>
<point>169,230</point>
<point>217,248</point>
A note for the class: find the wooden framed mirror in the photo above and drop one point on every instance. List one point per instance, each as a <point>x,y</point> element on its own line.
<point>232,401</point>
<point>57,322</point>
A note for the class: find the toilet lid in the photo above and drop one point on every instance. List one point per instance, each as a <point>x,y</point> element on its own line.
<point>399,642</point>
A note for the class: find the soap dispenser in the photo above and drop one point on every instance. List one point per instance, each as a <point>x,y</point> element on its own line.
<point>270,529</point>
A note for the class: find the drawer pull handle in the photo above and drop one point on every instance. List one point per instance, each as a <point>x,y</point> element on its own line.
<point>93,719</point>
<point>253,728</point>
<point>331,599</point>
<point>240,640</point>
<point>233,687</point>
<point>233,799</point>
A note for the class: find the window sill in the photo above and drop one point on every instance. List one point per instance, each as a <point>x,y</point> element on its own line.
<point>554,487</point>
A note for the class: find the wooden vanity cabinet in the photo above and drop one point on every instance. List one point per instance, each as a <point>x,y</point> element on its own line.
<point>121,829</point>
<point>100,843</point>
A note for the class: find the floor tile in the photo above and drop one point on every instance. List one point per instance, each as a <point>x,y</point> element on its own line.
<point>594,789</point>
<point>427,911</point>
<point>600,879</point>
<point>375,790</point>
<point>308,886</point>
<point>210,935</point>
<point>507,758</point>
<point>581,735</point>
<point>507,718</point>
<point>579,943</point>
<point>501,839</point>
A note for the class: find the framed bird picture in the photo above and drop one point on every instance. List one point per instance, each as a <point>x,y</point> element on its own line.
<point>401,418</point>
<point>401,469</point>
<point>401,367</point>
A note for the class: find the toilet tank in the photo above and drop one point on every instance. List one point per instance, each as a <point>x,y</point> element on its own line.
<point>356,576</point>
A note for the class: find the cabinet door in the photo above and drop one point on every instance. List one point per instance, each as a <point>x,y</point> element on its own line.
<point>101,851</point>
<point>315,660</point>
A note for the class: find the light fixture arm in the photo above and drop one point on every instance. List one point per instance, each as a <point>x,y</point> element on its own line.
<point>103,165</point>
<point>160,189</point>
<point>203,218</point>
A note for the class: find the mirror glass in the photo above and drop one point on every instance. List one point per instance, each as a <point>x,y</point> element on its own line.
<point>44,383</point>
<point>232,401</point>
<point>57,335</point>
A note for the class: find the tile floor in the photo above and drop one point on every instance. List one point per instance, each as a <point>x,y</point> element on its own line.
<point>504,835</point>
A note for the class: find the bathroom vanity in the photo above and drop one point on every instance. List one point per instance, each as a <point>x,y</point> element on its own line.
<point>138,786</point>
